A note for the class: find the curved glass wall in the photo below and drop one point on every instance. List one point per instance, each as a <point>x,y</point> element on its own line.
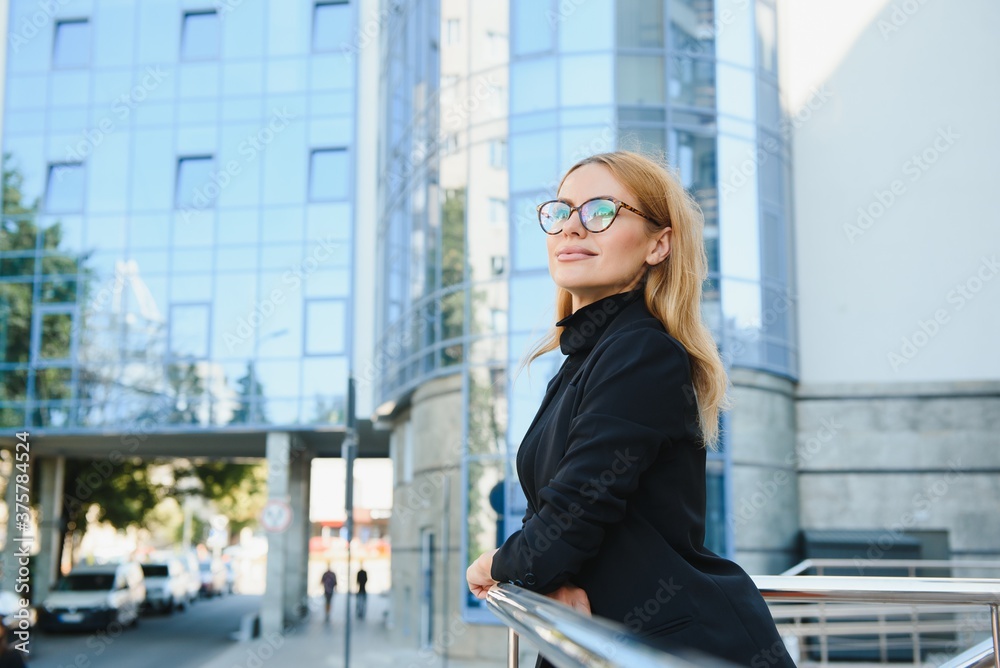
<point>488,103</point>
<point>178,218</point>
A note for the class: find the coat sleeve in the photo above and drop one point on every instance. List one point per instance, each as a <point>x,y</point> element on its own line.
<point>633,403</point>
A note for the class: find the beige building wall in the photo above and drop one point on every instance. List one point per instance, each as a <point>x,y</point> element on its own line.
<point>894,138</point>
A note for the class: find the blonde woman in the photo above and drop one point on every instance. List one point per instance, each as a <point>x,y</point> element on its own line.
<point>613,464</point>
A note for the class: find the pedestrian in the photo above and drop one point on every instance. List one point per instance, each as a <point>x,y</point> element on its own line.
<point>362,604</point>
<point>329,581</point>
<point>613,464</point>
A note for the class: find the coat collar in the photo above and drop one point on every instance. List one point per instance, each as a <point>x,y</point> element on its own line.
<point>588,325</point>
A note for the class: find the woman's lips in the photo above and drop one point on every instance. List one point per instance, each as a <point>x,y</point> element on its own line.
<point>568,257</point>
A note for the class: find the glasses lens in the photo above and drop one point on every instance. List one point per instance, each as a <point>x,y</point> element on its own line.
<point>597,214</point>
<point>552,215</point>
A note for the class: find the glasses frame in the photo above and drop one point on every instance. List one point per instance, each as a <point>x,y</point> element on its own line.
<point>619,205</point>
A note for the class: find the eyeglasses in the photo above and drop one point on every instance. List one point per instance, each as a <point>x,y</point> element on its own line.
<point>596,214</point>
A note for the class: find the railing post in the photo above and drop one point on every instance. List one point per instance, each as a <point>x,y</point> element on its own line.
<point>995,623</point>
<point>512,649</point>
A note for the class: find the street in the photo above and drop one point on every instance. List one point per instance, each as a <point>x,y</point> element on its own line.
<point>187,638</point>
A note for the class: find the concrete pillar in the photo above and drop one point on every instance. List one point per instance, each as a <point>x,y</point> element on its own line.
<point>297,541</point>
<point>765,504</point>
<point>288,465</point>
<point>52,475</point>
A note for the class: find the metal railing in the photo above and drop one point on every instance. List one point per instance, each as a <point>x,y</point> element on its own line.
<point>901,590</point>
<point>911,566</point>
<point>569,639</point>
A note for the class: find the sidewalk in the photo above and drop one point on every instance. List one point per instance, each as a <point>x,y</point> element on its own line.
<point>317,643</point>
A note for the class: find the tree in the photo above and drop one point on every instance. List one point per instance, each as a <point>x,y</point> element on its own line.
<point>19,235</point>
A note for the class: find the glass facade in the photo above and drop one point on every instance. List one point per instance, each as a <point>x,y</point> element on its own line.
<point>474,137</point>
<point>176,245</point>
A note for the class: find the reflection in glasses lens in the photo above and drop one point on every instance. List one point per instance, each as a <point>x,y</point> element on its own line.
<point>596,214</point>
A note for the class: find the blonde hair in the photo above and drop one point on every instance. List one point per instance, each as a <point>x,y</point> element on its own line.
<point>672,289</point>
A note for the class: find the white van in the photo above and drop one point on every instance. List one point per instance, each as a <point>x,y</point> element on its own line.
<point>94,596</point>
<point>166,585</point>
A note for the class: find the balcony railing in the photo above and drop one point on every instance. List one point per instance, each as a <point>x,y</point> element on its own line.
<point>911,591</point>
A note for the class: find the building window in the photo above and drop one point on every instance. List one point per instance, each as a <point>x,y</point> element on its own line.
<point>331,26</point>
<point>498,210</point>
<point>449,144</point>
<point>65,189</point>
<point>498,154</point>
<point>326,321</point>
<point>200,36</point>
<point>71,46</point>
<point>452,31</point>
<point>195,190</point>
<point>189,330</point>
<point>328,175</point>
<point>498,263</point>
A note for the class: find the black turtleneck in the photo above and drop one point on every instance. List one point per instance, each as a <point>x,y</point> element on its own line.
<point>583,327</point>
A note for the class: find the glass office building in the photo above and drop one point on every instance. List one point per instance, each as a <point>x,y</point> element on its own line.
<point>485,106</point>
<point>176,247</point>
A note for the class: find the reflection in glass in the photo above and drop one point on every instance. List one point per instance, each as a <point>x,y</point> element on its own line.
<point>65,188</point>
<point>200,36</point>
<point>325,326</point>
<point>486,523</point>
<point>691,27</point>
<point>331,26</point>
<point>72,44</point>
<point>189,326</point>
<point>692,82</point>
<point>640,80</point>
<point>531,29</point>
<point>56,335</point>
<point>640,24</point>
<point>767,41</point>
<point>194,187</point>
<point>329,177</point>
<point>487,434</point>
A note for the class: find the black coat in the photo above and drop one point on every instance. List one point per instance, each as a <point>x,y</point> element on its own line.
<point>615,482</point>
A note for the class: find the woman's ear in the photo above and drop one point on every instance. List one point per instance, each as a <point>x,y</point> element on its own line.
<point>661,249</point>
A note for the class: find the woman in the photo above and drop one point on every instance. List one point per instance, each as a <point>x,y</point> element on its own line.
<point>613,464</point>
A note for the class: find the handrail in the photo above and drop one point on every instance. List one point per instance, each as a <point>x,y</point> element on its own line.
<point>569,639</point>
<point>974,657</point>
<point>912,590</point>
<point>909,564</point>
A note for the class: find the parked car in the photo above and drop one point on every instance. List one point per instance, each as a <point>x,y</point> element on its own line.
<point>166,585</point>
<point>12,615</point>
<point>94,597</point>
<point>192,570</point>
<point>213,577</point>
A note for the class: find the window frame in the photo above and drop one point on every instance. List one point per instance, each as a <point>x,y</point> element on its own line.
<point>55,44</point>
<point>184,57</point>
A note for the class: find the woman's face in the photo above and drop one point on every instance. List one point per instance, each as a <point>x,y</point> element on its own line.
<point>607,262</point>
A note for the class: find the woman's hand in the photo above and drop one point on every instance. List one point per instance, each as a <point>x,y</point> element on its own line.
<point>478,574</point>
<point>572,596</point>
